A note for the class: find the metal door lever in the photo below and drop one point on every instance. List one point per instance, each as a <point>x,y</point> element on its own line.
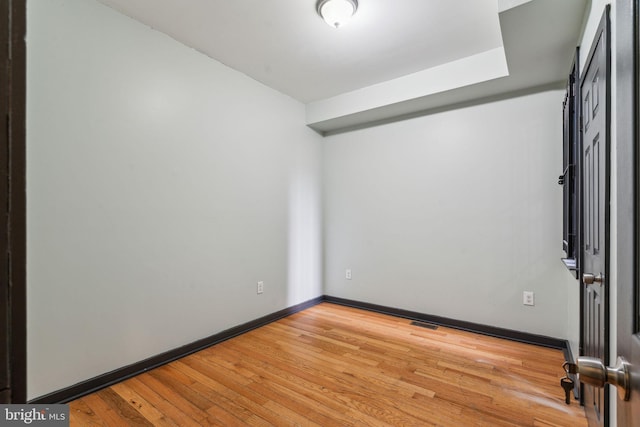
<point>592,371</point>
<point>590,279</point>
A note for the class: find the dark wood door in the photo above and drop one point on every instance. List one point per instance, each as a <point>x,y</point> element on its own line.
<point>628,205</point>
<point>595,186</point>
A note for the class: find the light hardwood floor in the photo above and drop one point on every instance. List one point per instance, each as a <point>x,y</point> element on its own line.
<point>337,366</point>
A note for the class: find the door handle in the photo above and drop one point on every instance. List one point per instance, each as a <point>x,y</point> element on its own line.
<point>592,371</point>
<point>590,279</point>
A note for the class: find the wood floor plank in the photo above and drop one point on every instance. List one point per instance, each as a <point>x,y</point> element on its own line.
<point>147,410</point>
<point>155,398</point>
<point>83,415</point>
<point>332,365</point>
<point>326,389</point>
<point>238,399</point>
<point>122,408</point>
<point>104,411</point>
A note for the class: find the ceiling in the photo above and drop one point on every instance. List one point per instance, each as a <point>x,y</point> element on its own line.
<point>388,61</point>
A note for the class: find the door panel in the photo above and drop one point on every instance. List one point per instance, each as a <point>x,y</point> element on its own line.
<point>628,205</point>
<point>595,162</point>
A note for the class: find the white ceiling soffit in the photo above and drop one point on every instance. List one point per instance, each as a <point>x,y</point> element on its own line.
<point>510,4</point>
<point>394,57</point>
<point>477,68</point>
<point>540,39</point>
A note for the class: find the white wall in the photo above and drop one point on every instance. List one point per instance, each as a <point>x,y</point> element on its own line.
<point>453,214</point>
<point>162,186</point>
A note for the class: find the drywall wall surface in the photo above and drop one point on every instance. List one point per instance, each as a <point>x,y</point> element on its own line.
<point>162,186</point>
<point>453,214</point>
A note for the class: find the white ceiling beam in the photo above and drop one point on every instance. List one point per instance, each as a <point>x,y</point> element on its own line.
<point>474,69</point>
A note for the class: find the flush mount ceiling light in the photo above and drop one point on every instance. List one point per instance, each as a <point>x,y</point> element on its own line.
<point>336,12</point>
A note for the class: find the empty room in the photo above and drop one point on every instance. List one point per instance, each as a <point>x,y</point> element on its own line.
<point>320,212</point>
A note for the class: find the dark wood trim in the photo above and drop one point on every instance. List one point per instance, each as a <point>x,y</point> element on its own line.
<point>635,155</point>
<point>105,380</point>
<point>636,159</point>
<point>18,201</point>
<point>5,101</point>
<point>94,384</point>
<point>478,328</point>
<point>13,193</point>
<point>5,34</point>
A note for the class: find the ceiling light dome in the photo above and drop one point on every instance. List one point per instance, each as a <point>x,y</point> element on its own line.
<point>337,12</point>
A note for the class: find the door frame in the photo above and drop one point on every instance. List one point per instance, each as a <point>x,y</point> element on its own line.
<point>13,193</point>
<point>628,208</point>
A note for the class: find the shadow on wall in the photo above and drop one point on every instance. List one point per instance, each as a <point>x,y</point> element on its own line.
<point>304,270</point>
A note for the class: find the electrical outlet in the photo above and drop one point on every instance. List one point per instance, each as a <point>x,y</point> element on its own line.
<point>528,298</point>
<point>260,288</point>
<point>347,274</point>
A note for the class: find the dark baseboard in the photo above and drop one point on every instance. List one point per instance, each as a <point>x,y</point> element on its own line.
<point>105,380</point>
<point>493,331</point>
<point>478,328</point>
